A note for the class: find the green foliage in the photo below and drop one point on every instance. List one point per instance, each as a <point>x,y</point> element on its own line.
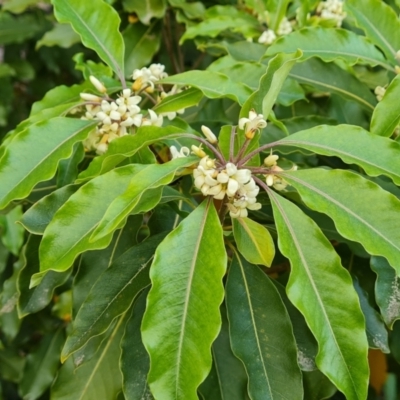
<point>199,200</point>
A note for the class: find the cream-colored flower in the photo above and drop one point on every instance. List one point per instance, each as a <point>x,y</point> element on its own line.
<point>252,124</point>
<point>267,37</point>
<point>284,28</point>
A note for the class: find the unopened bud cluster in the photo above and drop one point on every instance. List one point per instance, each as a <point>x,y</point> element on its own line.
<point>379,92</point>
<point>332,9</point>
<point>272,179</point>
<point>269,36</point>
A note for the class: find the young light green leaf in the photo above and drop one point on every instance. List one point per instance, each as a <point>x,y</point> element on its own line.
<point>256,313</point>
<point>33,300</point>
<point>61,35</point>
<point>150,176</point>
<point>187,98</point>
<point>387,290</point>
<point>97,23</point>
<point>362,210</point>
<point>375,154</point>
<point>277,10</point>
<point>11,233</point>
<point>112,294</point>
<point>330,44</point>
<point>386,116</point>
<point>182,317</point>
<point>135,362</point>
<point>58,252</point>
<point>33,155</point>
<point>331,78</point>
<point>254,241</point>
<point>213,85</point>
<point>316,270</point>
<point>378,20</point>
<point>146,9</point>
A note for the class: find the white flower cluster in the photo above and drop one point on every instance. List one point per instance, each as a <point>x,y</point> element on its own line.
<point>237,185</point>
<point>115,117</point>
<point>145,78</point>
<point>269,36</point>
<point>332,9</point>
<point>285,27</point>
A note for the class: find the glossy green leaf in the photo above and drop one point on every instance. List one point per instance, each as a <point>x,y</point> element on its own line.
<point>362,210</point>
<point>36,219</point>
<point>141,44</point>
<point>256,313</point>
<point>112,294</point>
<point>146,9</point>
<point>379,22</point>
<point>377,334</point>
<point>277,10</point>
<point>97,23</point>
<point>33,155</point>
<point>41,366</point>
<point>330,44</point>
<point>386,115</point>
<point>100,378</point>
<point>387,290</point>
<point>61,35</point>
<point>315,271</point>
<point>182,317</point>
<point>147,177</point>
<point>68,169</point>
<point>317,386</point>
<point>11,233</point>
<point>187,98</point>
<point>58,252</point>
<point>331,78</point>
<point>213,85</point>
<point>35,299</point>
<point>375,154</point>
<point>254,241</point>
<point>210,388</point>
<point>127,146</point>
<point>135,362</point>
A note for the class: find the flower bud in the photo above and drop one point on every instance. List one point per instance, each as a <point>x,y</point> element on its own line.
<point>271,160</point>
<point>209,134</point>
<point>90,97</point>
<point>137,85</point>
<point>198,151</point>
<point>97,84</point>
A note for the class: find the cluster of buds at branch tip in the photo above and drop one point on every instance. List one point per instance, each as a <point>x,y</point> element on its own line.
<point>272,179</point>
<point>332,9</point>
<point>379,92</point>
<point>253,124</point>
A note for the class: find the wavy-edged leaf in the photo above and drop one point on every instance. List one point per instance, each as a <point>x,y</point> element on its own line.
<point>386,115</point>
<point>112,294</point>
<point>33,155</point>
<point>182,318</point>
<point>146,9</point>
<point>127,146</point>
<point>256,313</point>
<point>254,241</point>
<point>148,177</point>
<point>187,98</point>
<point>375,154</point>
<point>362,210</point>
<point>213,85</point>
<point>141,44</point>
<point>387,290</point>
<point>331,78</point>
<point>97,23</point>
<point>135,362</point>
<point>379,22</point>
<point>316,270</point>
<point>330,44</point>
<point>99,378</point>
<point>58,251</point>
<point>33,300</point>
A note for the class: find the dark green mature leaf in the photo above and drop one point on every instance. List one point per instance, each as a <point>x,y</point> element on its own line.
<point>127,146</point>
<point>253,241</point>
<point>331,78</point>
<point>147,177</point>
<point>97,23</point>
<point>36,219</point>
<point>213,85</point>
<point>377,334</point>
<point>58,252</point>
<point>378,20</point>
<point>178,101</point>
<point>375,154</point>
<point>362,210</point>
<point>146,9</point>
<point>135,362</point>
<point>35,299</point>
<point>141,43</point>
<point>387,290</point>
<point>68,169</point>
<point>182,316</point>
<point>386,115</point>
<point>41,366</point>
<point>316,270</point>
<point>317,386</point>
<point>33,155</point>
<point>112,294</point>
<point>99,378</point>
<point>330,44</point>
<point>256,313</point>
